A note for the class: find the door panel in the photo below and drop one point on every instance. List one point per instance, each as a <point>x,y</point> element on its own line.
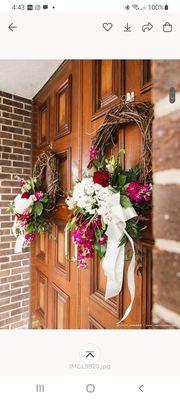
<point>67,113</point>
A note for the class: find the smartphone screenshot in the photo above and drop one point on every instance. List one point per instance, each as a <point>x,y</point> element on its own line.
<point>89,199</point>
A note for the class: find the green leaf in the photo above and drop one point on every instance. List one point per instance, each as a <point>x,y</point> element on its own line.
<point>76,212</point>
<point>133,174</point>
<point>102,223</point>
<point>97,164</point>
<point>125,202</point>
<point>38,209</point>
<point>101,249</point>
<point>30,228</point>
<point>98,234</point>
<point>44,200</point>
<point>115,176</point>
<point>121,181</point>
<point>103,162</point>
<point>92,171</point>
<point>73,223</point>
<point>123,241</point>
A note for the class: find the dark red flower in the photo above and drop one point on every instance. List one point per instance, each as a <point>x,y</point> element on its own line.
<point>25,195</point>
<point>101,177</point>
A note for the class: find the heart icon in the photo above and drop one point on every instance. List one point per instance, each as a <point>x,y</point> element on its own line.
<point>107,26</point>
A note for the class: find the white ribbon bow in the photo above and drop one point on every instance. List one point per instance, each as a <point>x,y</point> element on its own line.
<point>113,263</point>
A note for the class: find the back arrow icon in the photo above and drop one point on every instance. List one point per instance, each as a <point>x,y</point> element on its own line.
<point>141,388</point>
<point>147,27</point>
<point>12,27</point>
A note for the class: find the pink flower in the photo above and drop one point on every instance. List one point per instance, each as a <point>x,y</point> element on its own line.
<point>30,237</point>
<point>25,217</point>
<point>38,195</point>
<point>21,181</point>
<point>94,153</point>
<point>139,192</point>
<point>103,239</point>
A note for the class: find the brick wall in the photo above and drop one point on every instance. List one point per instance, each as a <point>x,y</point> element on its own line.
<point>166,210</point>
<point>15,159</point>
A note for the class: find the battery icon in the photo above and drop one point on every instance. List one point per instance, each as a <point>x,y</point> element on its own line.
<point>166,7</point>
<point>30,7</point>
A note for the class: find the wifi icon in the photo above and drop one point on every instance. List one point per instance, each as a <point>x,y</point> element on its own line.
<point>135,6</point>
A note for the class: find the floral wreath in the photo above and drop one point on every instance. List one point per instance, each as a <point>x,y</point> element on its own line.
<point>108,205</point>
<point>32,206</point>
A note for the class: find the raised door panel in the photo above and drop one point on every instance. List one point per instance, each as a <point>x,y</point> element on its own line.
<point>98,286</point>
<point>63,108</point>
<point>43,123</point>
<point>62,249</point>
<point>60,308</point>
<point>106,84</point>
<point>41,297</point>
<point>42,248</point>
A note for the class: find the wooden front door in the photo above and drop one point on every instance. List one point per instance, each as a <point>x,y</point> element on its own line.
<point>67,112</point>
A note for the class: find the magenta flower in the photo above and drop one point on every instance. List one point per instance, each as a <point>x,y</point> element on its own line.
<point>94,153</point>
<point>21,181</point>
<point>38,195</point>
<point>25,217</point>
<point>30,237</point>
<point>139,192</point>
<point>103,239</point>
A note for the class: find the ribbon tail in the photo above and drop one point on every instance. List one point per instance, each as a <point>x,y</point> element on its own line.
<point>115,273</point>
<point>14,226</point>
<point>130,278</point>
<point>19,244</point>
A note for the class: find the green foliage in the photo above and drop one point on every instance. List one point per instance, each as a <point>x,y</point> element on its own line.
<point>121,181</point>
<point>125,202</point>
<point>73,223</point>
<point>103,162</point>
<point>133,229</point>
<point>101,249</point>
<point>133,174</point>
<point>103,224</point>
<point>92,171</point>
<point>38,209</point>
<point>115,176</point>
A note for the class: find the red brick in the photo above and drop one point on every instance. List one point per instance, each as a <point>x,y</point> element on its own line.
<point>5,94</point>
<point>166,279</point>
<point>12,103</point>
<point>166,137</point>
<point>13,116</point>
<point>167,212</point>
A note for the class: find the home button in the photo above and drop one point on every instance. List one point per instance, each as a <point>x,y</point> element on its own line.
<point>90,388</point>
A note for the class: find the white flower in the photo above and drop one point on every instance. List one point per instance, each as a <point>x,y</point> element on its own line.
<point>89,196</point>
<point>110,168</point>
<point>110,164</point>
<point>70,202</point>
<point>22,204</point>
